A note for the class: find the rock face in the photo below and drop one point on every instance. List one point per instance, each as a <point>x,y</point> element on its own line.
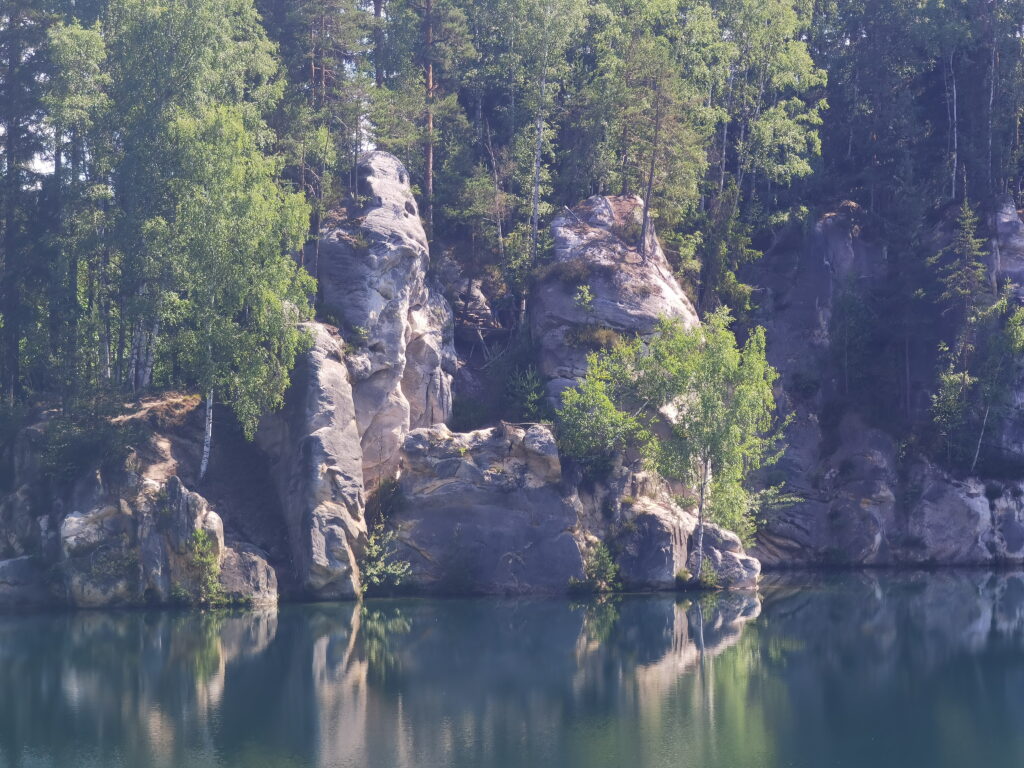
<point>489,511</point>
<point>373,279</point>
<point>116,552</point>
<point>121,536</point>
<point>596,248</point>
<point>486,512</point>
<point>1007,246</point>
<point>653,539</point>
<point>317,462</point>
<point>860,501</point>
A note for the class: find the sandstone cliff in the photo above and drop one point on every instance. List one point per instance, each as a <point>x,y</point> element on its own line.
<point>863,498</point>
<point>489,511</point>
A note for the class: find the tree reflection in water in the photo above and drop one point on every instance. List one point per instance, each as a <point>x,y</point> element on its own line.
<point>929,665</point>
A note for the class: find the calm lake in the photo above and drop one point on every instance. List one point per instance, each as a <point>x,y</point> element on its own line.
<point>856,670</point>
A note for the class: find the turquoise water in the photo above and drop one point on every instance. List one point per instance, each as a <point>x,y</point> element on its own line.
<point>859,670</point>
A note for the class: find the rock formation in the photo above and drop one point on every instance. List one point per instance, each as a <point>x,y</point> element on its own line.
<point>314,445</point>
<point>860,501</point>
<point>595,248</point>
<point>489,511</point>
<point>486,511</point>
<point>356,393</point>
<point>373,279</point>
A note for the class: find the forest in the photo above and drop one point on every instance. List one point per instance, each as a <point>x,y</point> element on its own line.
<point>163,161</point>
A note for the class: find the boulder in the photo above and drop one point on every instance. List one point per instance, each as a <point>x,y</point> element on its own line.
<point>595,247</point>
<point>317,463</point>
<point>247,578</point>
<point>372,272</point>
<point>655,549</point>
<point>486,512</point>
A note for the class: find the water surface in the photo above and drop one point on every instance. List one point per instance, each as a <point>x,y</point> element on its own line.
<point>853,671</point>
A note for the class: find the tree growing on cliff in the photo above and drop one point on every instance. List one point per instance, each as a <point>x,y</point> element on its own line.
<point>725,427</point>
<point>720,405</point>
<point>240,295</point>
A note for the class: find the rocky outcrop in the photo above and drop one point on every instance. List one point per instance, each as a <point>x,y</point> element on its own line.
<point>373,279</point>
<point>490,511</point>
<point>124,535</point>
<point>486,512</point>
<point>1007,244</point>
<point>654,548</point>
<point>361,388</point>
<point>860,501</point>
<point>626,292</point>
<point>116,551</point>
<point>24,583</point>
<point>317,461</point>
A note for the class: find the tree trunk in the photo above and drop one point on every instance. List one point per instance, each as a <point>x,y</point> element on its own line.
<point>207,435</point>
<point>956,138</point>
<point>9,293</point>
<point>378,42</point>
<point>149,359</point>
<point>538,146</point>
<point>981,435</point>
<point>428,40</point>
<point>700,519</point>
<point>991,105</point>
<point>645,227</point>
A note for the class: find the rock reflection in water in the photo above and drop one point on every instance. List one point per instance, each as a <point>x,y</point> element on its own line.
<point>391,683</point>
<point>865,670</point>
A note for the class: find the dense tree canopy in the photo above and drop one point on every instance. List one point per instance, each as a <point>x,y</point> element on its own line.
<point>161,160</point>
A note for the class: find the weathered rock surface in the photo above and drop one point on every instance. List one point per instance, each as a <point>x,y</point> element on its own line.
<point>490,511</point>
<point>654,545</point>
<point>123,535</point>
<point>120,552</point>
<point>486,512</point>
<point>317,463</point>
<point>860,502</point>
<point>596,247</point>
<point>373,278</point>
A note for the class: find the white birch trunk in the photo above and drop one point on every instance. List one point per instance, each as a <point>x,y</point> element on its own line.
<point>207,435</point>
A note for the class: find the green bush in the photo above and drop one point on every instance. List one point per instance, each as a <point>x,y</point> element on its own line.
<point>600,573</point>
<point>524,394</point>
<point>708,575</point>
<point>591,430</point>
<point>380,567</point>
<point>204,571</point>
<point>76,444</point>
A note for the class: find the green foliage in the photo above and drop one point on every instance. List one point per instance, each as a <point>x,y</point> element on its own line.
<point>683,578</point>
<point>116,560</point>
<point>525,394</point>
<point>76,444</point>
<point>724,428</point>
<point>708,578</point>
<point>600,572</point>
<point>380,567</point>
<point>591,429</point>
<point>584,298</point>
<point>203,562</point>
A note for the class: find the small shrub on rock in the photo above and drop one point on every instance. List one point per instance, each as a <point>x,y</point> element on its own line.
<point>600,573</point>
<point>380,567</point>
<point>203,573</point>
